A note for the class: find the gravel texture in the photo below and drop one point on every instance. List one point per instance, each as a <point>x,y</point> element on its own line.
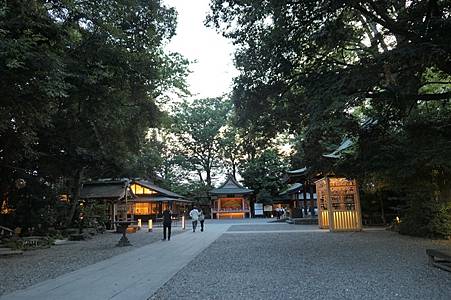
<point>18,272</point>
<point>271,226</point>
<point>362,265</point>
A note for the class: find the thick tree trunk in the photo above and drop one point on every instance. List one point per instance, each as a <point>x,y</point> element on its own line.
<point>78,179</point>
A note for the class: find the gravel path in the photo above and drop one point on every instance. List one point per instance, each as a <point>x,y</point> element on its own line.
<point>272,226</point>
<point>364,265</point>
<point>18,272</point>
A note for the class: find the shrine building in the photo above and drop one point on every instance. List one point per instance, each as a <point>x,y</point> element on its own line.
<point>230,200</point>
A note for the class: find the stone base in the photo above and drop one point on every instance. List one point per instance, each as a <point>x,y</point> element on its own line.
<point>123,242</point>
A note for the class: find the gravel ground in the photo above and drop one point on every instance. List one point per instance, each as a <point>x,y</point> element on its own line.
<point>18,272</point>
<point>363,265</point>
<point>272,226</point>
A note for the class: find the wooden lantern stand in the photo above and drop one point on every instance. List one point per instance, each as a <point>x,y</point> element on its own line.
<point>338,204</point>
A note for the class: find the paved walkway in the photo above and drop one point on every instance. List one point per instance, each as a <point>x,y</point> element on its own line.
<point>136,274</point>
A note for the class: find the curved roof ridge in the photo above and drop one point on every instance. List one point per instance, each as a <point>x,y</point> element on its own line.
<point>231,186</point>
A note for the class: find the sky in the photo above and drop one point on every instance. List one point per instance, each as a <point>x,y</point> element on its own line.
<point>212,70</point>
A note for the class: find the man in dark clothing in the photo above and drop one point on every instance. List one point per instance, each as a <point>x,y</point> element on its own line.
<point>167,222</point>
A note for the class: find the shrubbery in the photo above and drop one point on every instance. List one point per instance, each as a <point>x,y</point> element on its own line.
<point>427,217</point>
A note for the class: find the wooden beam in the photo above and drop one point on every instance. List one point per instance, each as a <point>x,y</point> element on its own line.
<point>329,206</point>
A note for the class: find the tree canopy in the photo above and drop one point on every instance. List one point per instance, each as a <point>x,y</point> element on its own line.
<point>309,64</point>
<point>80,81</point>
<point>198,127</point>
<point>377,72</point>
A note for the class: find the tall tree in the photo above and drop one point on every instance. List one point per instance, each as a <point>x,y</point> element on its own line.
<point>103,69</point>
<point>308,64</point>
<point>363,69</point>
<point>197,127</point>
<point>264,174</point>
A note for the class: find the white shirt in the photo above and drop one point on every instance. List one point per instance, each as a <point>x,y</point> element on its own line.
<point>194,214</point>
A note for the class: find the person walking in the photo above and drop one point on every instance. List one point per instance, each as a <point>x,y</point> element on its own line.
<point>201,220</point>
<point>194,214</point>
<point>167,223</point>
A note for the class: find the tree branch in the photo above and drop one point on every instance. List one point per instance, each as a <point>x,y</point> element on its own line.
<point>419,97</point>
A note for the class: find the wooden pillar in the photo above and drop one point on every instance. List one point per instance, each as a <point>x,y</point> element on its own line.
<point>304,194</point>
<point>114,215</point>
<point>357,206</point>
<point>219,208</point>
<point>329,205</point>
<point>312,200</point>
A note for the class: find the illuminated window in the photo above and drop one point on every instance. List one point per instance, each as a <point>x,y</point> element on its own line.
<point>140,190</point>
<point>142,209</point>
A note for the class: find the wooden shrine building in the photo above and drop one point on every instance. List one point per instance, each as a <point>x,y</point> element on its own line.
<point>289,198</point>
<point>149,201</point>
<point>112,193</point>
<point>138,199</point>
<point>230,200</point>
<point>338,198</point>
<point>302,191</point>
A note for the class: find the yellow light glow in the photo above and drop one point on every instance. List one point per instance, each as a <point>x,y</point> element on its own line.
<point>140,190</point>
<point>139,223</point>
<point>183,223</point>
<point>230,215</point>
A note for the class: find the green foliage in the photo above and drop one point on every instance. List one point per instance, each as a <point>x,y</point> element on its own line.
<point>80,82</point>
<point>34,206</point>
<point>426,217</point>
<point>374,71</point>
<point>197,129</point>
<point>265,174</point>
<point>265,197</point>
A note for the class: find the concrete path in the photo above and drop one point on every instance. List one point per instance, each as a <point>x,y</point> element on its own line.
<point>136,274</point>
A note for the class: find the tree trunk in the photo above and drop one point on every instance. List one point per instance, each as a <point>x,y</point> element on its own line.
<point>381,201</point>
<point>234,170</point>
<point>208,177</point>
<point>78,179</point>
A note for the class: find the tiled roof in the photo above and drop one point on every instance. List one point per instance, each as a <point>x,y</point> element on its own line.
<point>231,186</point>
<point>103,190</point>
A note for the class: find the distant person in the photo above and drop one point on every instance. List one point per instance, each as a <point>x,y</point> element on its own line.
<point>194,214</point>
<point>167,222</point>
<point>312,211</point>
<point>201,220</point>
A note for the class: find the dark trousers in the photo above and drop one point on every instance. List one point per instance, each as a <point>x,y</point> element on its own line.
<point>194,225</point>
<point>202,225</point>
<point>168,228</point>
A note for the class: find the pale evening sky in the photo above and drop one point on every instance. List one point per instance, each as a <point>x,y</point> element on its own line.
<point>213,70</point>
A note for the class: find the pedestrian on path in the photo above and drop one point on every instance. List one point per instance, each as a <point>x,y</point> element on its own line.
<point>201,220</point>
<point>167,223</point>
<point>194,214</point>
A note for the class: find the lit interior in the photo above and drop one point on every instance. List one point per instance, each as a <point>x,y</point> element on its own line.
<point>141,190</point>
